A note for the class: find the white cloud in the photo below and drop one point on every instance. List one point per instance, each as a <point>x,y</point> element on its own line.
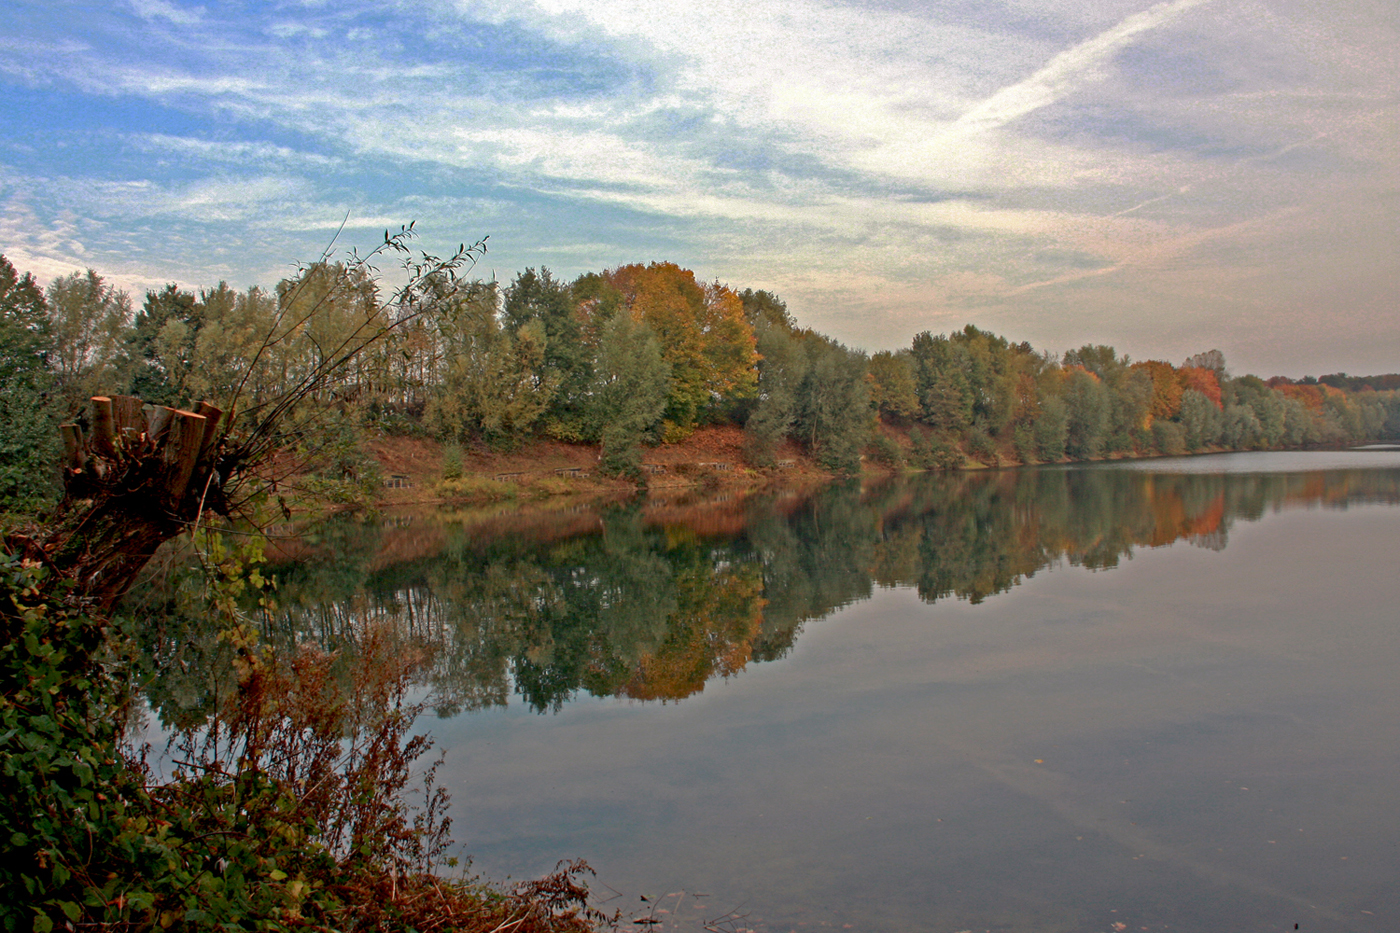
<point>1063,73</point>
<point>161,9</point>
<point>984,167</point>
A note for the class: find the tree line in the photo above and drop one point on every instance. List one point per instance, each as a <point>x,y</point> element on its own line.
<point>631,356</point>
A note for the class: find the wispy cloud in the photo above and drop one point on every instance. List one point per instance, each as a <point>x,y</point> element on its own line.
<point>877,165</point>
<point>1067,70</point>
<point>161,9</point>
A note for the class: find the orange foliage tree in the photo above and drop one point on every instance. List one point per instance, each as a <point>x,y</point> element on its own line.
<point>704,335</point>
<point>1203,381</point>
<point>1166,389</point>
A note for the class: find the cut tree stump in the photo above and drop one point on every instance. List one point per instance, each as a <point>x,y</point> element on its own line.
<point>140,477</point>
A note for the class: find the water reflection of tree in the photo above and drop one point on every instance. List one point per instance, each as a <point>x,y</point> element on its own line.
<point>648,605</point>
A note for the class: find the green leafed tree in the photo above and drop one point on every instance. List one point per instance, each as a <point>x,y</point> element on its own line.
<point>159,348</point>
<point>782,368</point>
<point>832,415</point>
<point>87,318</point>
<point>1200,419</point>
<point>495,383</point>
<point>627,398</point>
<point>892,388</point>
<point>537,298</point>
<point>28,419</point>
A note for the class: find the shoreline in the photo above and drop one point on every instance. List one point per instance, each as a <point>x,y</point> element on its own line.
<point>711,461</point>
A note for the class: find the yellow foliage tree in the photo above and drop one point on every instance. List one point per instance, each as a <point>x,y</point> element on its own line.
<point>704,336</point>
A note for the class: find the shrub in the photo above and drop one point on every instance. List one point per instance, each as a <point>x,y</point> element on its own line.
<point>884,450</point>
<point>452,461</point>
<point>982,447</point>
<point>931,452</point>
<point>1169,437</point>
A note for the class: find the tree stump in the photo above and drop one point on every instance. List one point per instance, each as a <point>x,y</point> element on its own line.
<point>141,476</point>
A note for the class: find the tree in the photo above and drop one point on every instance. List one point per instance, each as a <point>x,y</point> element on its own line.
<point>1212,360</point>
<point>539,298</point>
<point>1051,429</point>
<point>495,384</point>
<point>1087,407</point>
<point>892,389</point>
<point>159,349</point>
<point>1200,419</point>
<point>1201,380</point>
<point>703,333</point>
<point>628,393</point>
<point>832,414</point>
<point>762,307</point>
<point>1166,389</point>
<point>86,320</point>
<point>781,369</point>
<point>28,422</point>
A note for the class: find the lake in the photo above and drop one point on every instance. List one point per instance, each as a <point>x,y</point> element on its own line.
<point>1148,695</point>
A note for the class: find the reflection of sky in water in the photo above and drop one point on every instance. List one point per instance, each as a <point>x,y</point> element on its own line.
<point>1376,456</point>
<point>1200,739</point>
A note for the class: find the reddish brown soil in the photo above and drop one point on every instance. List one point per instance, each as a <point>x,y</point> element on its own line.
<point>687,463</point>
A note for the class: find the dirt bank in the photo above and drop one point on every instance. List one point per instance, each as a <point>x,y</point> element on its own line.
<point>711,458</point>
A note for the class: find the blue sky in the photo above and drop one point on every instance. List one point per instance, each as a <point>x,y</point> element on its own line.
<point>1163,177</point>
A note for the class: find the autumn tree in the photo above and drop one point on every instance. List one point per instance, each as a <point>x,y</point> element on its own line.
<point>704,336</point>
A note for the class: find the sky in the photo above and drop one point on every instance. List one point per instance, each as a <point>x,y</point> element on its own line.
<point>1163,177</point>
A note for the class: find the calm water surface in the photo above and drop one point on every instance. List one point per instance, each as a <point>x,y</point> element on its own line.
<point>1159,695</point>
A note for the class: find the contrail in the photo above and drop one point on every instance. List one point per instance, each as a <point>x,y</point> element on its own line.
<point>1063,72</point>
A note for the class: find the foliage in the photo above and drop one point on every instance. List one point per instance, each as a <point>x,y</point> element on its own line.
<point>932,452</point>
<point>1023,439</point>
<point>452,461</point>
<point>471,362</point>
<point>86,320</point>
<point>631,383</point>
<point>885,450</point>
<point>1200,420</point>
<point>831,412</point>
<point>702,331</point>
<point>983,448</point>
<point>1052,430</point>
<point>781,370</point>
<point>28,420</point>
<point>892,390</point>
<point>287,810</point>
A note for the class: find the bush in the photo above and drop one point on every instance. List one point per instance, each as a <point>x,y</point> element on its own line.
<point>884,450</point>
<point>931,452</point>
<point>1169,437</point>
<point>982,447</point>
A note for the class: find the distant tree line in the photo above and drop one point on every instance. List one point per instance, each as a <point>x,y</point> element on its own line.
<point>637,355</point>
